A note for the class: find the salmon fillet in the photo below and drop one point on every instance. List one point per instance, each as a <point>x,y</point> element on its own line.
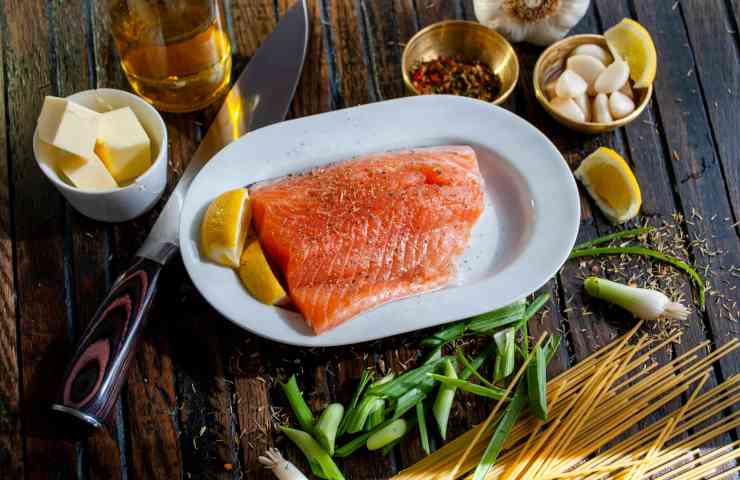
<point>360,233</point>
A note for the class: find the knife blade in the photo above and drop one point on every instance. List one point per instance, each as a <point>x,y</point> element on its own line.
<point>260,96</point>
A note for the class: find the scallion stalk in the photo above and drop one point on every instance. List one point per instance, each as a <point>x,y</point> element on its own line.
<point>505,353</point>
<point>326,428</point>
<point>366,405</point>
<point>443,402</point>
<point>298,404</point>
<point>631,233</point>
<point>388,434</point>
<point>643,303</point>
<point>447,334</point>
<point>480,390</point>
<point>315,454</point>
<point>537,383</point>
<point>405,382</point>
<point>377,415</point>
<point>479,360</point>
<point>349,413</point>
<point>507,315</point>
<point>422,421</point>
<point>466,363</point>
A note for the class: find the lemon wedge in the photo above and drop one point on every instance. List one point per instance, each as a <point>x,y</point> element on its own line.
<point>611,183</point>
<point>632,42</point>
<point>258,277</point>
<point>224,228</point>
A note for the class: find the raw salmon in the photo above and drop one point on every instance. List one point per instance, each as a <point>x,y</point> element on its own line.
<point>360,233</point>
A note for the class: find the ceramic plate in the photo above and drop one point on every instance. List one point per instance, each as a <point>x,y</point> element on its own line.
<point>528,227</point>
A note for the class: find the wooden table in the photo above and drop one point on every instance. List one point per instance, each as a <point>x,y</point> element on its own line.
<point>202,394</point>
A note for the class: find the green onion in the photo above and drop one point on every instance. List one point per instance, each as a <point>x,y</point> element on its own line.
<point>631,233</point>
<point>388,434</point>
<point>505,354</point>
<point>551,347</point>
<point>537,383</point>
<point>466,363</point>
<point>443,402</point>
<point>405,382</point>
<point>326,428</point>
<point>377,415</point>
<point>495,393</point>
<point>352,446</point>
<point>647,252</point>
<point>476,363</point>
<point>387,449</point>
<point>298,404</point>
<point>508,419</point>
<point>533,308</point>
<point>447,334</point>
<point>422,421</point>
<point>498,318</point>
<point>350,412</point>
<point>642,302</point>
<point>408,400</point>
<point>366,405</point>
<point>316,455</point>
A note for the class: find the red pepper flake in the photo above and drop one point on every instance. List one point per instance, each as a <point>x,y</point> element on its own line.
<point>456,76</point>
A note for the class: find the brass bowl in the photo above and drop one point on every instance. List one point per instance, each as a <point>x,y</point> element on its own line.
<point>472,41</point>
<point>552,62</point>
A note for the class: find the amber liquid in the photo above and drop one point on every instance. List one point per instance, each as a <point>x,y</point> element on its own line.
<point>175,53</point>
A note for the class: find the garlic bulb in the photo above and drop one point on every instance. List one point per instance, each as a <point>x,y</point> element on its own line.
<point>540,22</point>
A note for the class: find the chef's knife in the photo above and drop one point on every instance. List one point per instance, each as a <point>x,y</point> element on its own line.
<point>261,96</point>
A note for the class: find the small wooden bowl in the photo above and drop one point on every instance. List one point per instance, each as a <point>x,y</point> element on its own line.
<point>472,41</point>
<point>552,62</point>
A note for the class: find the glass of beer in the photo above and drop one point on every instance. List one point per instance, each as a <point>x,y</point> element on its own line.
<point>175,53</point>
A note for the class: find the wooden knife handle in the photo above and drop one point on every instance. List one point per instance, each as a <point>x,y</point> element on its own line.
<point>98,368</point>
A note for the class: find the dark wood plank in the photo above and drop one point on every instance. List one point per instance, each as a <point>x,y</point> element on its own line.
<point>89,238</point>
<point>432,11</point>
<point>697,176</point>
<point>39,235</point>
<point>11,444</point>
<point>716,56</point>
<point>350,67</point>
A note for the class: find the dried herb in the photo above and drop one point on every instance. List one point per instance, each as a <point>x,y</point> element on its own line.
<point>456,76</point>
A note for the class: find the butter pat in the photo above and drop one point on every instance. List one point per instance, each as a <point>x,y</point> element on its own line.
<point>68,126</point>
<point>123,144</point>
<point>85,173</point>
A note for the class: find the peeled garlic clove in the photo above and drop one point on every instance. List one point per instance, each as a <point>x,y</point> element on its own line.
<point>584,104</point>
<point>593,50</point>
<point>627,90</point>
<point>613,77</point>
<point>550,89</point>
<point>587,67</point>
<point>568,108</point>
<point>601,109</point>
<point>570,85</point>
<point>620,105</point>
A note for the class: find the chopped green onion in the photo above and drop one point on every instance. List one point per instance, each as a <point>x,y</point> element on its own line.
<point>508,419</point>
<point>495,393</point>
<point>466,363</point>
<point>447,334</point>
<point>408,400</point>
<point>498,318</point>
<point>314,453</point>
<point>505,354</point>
<point>366,405</point>
<point>298,404</point>
<point>422,421</point>
<point>387,449</point>
<point>352,446</point>
<point>350,412</point>
<point>551,347</point>
<point>481,358</point>
<point>443,402</point>
<point>405,382</point>
<point>388,434</point>
<point>537,383</point>
<point>641,302</point>
<point>533,308</point>
<point>647,252</point>
<point>631,233</point>
<point>326,428</point>
<point>377,415</point>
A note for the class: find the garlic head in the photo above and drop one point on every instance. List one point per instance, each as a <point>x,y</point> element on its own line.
<point>540,22</point>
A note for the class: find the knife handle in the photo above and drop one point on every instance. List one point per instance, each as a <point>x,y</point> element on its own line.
<point>98,368</point>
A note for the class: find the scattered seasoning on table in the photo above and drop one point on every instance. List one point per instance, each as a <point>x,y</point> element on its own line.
<point>456,76</point>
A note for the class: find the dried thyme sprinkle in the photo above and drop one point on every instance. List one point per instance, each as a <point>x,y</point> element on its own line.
<point>456,76</point>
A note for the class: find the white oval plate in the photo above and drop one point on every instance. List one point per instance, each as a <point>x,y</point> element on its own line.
<point>526,232</point>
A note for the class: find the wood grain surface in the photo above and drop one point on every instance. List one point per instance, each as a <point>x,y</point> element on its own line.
<point>203,398</point>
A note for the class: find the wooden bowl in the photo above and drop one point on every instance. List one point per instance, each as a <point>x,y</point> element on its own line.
<point>472,41</point>
<point>552,63</point>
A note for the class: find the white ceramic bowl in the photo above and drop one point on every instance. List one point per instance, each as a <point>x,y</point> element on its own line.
<point>123,203</point>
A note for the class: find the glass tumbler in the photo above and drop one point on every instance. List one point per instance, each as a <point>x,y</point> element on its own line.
<point>175,53</point>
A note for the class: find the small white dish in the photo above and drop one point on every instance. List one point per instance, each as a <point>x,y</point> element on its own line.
<point>526,232</point>
<point>123,203</point>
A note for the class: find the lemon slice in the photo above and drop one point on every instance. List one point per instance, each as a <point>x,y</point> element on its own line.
<point>632,42</point>
<point>224,228</point>
<point>258,277</point>
<point>611,183</point>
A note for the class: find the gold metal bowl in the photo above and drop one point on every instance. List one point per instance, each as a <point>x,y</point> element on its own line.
<point>472,41</point>
<point>552,62</point>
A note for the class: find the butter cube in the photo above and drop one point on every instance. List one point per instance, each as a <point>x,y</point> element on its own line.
<point>68,126</point>
<point>86,173</point>
<point>123,144</point>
